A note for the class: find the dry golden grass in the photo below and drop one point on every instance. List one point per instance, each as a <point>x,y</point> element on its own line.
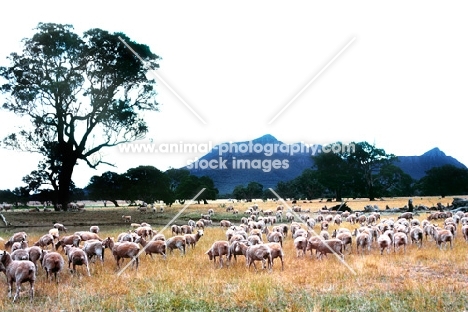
<point>426,279</point>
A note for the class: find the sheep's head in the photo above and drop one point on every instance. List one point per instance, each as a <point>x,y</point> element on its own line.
<point>210,254</point>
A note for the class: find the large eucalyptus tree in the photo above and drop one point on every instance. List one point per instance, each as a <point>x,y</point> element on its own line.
<point>80,93</point>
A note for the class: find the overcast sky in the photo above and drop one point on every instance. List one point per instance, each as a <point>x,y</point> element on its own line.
<point>390,73</point>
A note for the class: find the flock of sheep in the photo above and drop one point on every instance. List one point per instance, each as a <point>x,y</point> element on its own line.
<point>258,238</point>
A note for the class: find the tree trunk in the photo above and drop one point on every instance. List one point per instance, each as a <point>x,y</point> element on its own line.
<point>65,178</point>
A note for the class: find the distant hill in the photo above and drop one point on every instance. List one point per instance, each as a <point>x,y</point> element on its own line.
<point>416,166</point>
<point>238,163</point>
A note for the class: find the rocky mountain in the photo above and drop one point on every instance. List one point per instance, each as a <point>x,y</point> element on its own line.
<point>268,161</point>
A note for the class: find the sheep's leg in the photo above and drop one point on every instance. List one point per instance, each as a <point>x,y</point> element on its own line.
<point>31,290</point>
<point>17,293</point>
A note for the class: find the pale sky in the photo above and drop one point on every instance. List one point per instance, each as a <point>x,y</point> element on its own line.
<point>390,73</point>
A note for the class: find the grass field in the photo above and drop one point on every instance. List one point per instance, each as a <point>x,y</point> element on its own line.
<point>422,279</point>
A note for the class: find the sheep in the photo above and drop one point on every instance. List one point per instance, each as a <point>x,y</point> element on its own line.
<point>19,254</point>
<point>178,242</point>
<point>60,227</point>
<point>276,252</point>
<point>19,245</point>
<point>155,246</point>
<point>384,241</point>
<point>416,235</point>
<point>300,244</point>
<point>275,237</point>
<point>76,256</point>
<point>94,229</point>
<point>186,229</point>
<point>84,235</point>
<point>94,247</point>
<point>192,239</point>
<point>464,231</point>
<point>16,237</point>
<point>144,231</point>
<point>400,239</point>
<point>225,223</point>
<point>52,262</point>
<point>45,240</point>
<point>237,248</point>
<point>363,240</point>
<point>18,272</point>
<point>127,218</point>
<point>55,233</point>
<point>68,240</point>
<point>259,252</point>
<point>175,229</point>
<point>333,245</point>
<point>347,239</point>
<point>442,236</point>
<point>123,250</point>
<point>218,249</point>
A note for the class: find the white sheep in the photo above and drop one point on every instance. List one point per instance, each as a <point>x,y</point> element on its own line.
<point>60,227</point>
<point>76,256</point>
<point>385,242</point>
<point>218,249</point>
<point>154,246</point>
<point>94,247</point>
<point>94,229</point>
<point>45,240</point>
<point>68,240</point>
<point>53,263</point>
<point>178,242</point>
<point>18,272</point>
<point>400,239</point>
<point>261,252</point>
<point>16,237</point>
<point>276,252</point>
<point>127,218</point>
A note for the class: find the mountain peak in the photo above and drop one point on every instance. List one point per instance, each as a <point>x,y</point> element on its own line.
<point>267,138</point>
<point>435,152</point>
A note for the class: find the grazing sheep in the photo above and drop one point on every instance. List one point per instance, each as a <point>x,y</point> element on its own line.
<point>55,233</point>
<point>19,254</point>
<point>347,239</point>
<point>218,249</point>
<point>123,250</point>
<point>94,229</point>
<point>225,223</point>
<point>73,240</point>
<point>416,235</point>
<point>85,235</point>
<point>19,245</point>
<point>17,237</point>
<point>363,241</point>
<point>94,247</point>
<point>35,254</point>
<point>192,239</point>
<point>275,237</point>
<point>52,262</point>
<point>333,245</point>
<point>178,242</point>
<point>464,231</point>
<point>60,227</point>
<point>18,272</point>
<point>45,240</point>
<point>261,252</point>
<point>276,252</point>
<point>384,241</point>
<point>76,256</point>
<point>127,218</point>
<point>144,231</point>
<point>300,244</point>
<point>237,248</point>
<point>176,230</point>
<point>442,236</point>
<point>154,247</point>
<point>186,229</point>
<point>400,239</point>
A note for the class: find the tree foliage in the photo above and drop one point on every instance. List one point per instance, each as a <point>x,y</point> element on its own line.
<point>444,180</point>
<point>81,94</point>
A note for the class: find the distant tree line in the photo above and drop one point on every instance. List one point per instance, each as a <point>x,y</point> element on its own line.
<point>367,172</point>
<point>141,184</point>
